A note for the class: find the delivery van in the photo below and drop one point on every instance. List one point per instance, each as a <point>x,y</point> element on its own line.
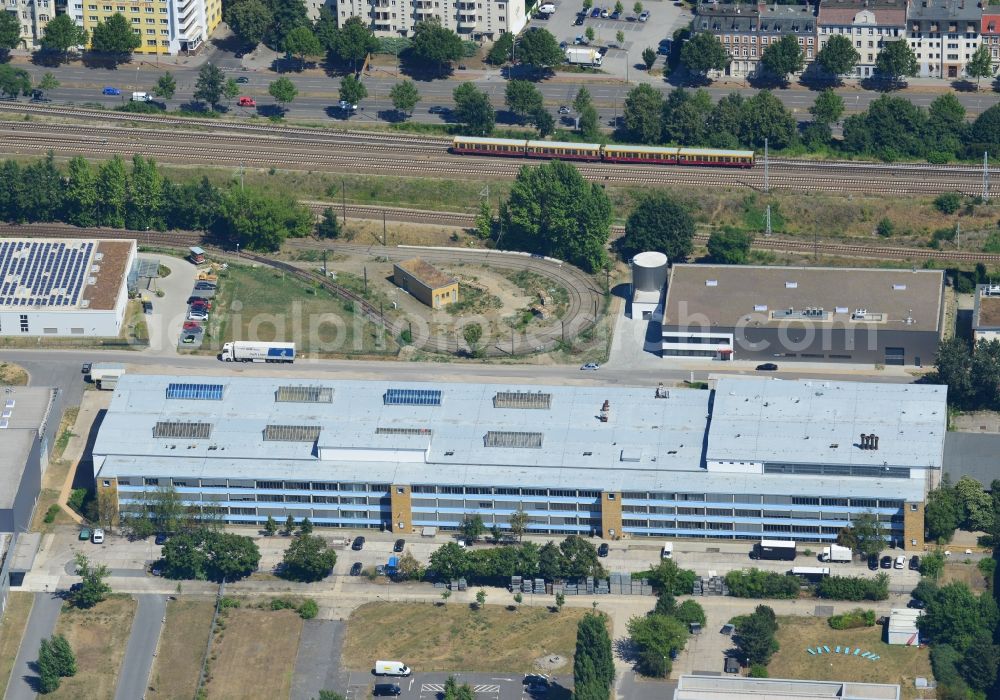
<point>141,97</point>
<point>391,668</point>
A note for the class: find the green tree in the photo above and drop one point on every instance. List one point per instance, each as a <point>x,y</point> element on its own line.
<point>111,193</point>
<point>648,57</point>
<point>93,588</point>
<point>270,527</point>
<point>261,220</point>
<point>980,65</point>
<point>690,611</point>
<point>579,558</point>
<point>896,60</point>
<point>307,559</point>
<point>885,227</point>
<point>956,616</point>
<point>301,42</point>
<point>166,86</point>
<point>434,44</point>
<point>48,668</point>
<point>946,125</point>
<point>230,89</point>
<point>765,116</point>
<point>354,41</point>
<point>449,560</point>
<point>10,33</point>
<point>666,604</point>
<point>48,82</point>
<point>306,526</point>
<point>473,109</point>
<point>582,100</point>
<point>61,34</point>
<point>553,211</point>
<point>286,15</point>
<point>114,37</point>
<point>540,49</point>
<point>14,81</point>
<point>484,220</point>
<point>404,96</point>
<point>588,123</point>
<point>724,126</point>
<point>642,113</point>
<point>667,577</point>
<point>829,106</point>
<point>977,505</point>
<point>283,91</point>
<point>560,601</point>
<point>472,526</point>
<point>868,534</point>
<point>501,50</point>
<point>472,334</point>
<point>730,246</point>
<point>593,664</point>
<point>932,566</point>
<point>587,4</point>
<point>755,636</point>
<point>453,690</point>
<point>685,116</point>
<point>890,128</point>
<point>352,90</point>
<point>80,197</point>
<point>783,57</point>
<point>522,97</point>
<point>620,37</point>
<point>948,202</point>
<point>209,554</point>
<point>209,85</point>
<point>657,637</point>
<point>704,52</point>
<point>249,20</point>
<point>326,31</point>
<point>619,7</point>
<point>981,662</point>
<point>838,56</point>
<point>518,523</point>
<point>480,599</point>
<point>328,225</point>
<point>984,133</point>
<point>40,198</point>
<point>660,223</point>
<point>62,655</point>
<point>144,196</point>
<point>590,34</point>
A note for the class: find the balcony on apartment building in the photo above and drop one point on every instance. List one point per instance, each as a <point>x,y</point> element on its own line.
<point>424,16</point>
<point>466,21</point>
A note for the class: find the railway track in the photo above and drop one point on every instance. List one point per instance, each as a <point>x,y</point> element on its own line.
<point>296,148</point>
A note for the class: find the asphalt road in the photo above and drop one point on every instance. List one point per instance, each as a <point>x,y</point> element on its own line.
<point>141,649</point>
<point>41,623</point>
<point>317,665</point>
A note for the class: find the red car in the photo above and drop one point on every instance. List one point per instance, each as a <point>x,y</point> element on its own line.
<point>247,102</point>
<point>204,305</point>
<point>191,325</point>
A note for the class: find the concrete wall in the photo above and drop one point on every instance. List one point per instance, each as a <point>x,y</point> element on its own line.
<point>83,323</point>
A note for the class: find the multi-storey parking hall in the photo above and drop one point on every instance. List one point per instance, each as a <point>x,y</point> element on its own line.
<point>752,458</point>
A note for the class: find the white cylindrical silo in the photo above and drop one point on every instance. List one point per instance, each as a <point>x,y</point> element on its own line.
<point>649,272</point>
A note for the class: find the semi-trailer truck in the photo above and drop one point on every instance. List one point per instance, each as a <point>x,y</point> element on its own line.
<point>583,56</point>
<point>249,351</point>
<point>836,553</point>
<point>780,550</point>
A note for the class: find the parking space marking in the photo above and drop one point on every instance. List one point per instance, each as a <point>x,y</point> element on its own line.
<point>439,688</point>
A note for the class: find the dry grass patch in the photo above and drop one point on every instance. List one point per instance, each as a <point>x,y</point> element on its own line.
<point>98,637</point>
<point>15,619</point>
<point>969,574</point>
<point>182,646</point>
<point>253,654</point>
<point>453,637</point>
<point>897,664</point>
<point>55,476</point>
<point>13,375</point>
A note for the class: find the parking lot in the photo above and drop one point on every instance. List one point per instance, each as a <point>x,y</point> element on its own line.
<point>430,686</point>
<point>625,59</point>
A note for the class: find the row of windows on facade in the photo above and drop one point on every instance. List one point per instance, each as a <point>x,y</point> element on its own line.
<point>684,525</point>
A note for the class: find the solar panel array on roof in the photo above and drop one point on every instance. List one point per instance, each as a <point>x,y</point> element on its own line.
<point>292,433</point>
<point>43,273</point>
<point>304,394</point>
<point>182,429</point>
<point>522,399</point>
<point>501,438</point>
<point>198,392</point>
<point>412,397</point>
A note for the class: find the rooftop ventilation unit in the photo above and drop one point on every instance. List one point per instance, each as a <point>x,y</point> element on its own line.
<point>292,433</point>
<point>499,438</point>
<point>182,429</point>
<point>304,394</point>
<point>522,399</point>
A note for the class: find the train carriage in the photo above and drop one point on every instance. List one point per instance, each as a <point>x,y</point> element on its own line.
<point>563,150</point>
<point>715,157</point>
<point>657,155</point>
<point>488,146</point>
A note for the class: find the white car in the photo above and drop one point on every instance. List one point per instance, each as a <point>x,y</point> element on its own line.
<point>98,536</point>
<point>591,366</point>
<point>197,316</point>
<point>347,106</point>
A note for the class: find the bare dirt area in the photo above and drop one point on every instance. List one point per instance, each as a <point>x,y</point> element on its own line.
<point>967,573</point>
<point>98,637</point>
<point>976,422</point>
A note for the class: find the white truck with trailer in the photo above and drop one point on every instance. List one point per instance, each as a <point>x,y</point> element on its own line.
<point>583,56</point>
<point>105,375</point>
<point>251,351</point>
<point>836,554</point>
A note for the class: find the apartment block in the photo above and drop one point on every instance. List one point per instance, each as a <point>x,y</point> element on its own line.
<point>167,27</point>
<point>867,23</point>
<point>33,16</point>
<point>944,34</point>
<point>479,19</point>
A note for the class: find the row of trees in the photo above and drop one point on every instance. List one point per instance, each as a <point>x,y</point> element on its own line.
<point>56,661</point>
<point>854,587</point>
<point>662,633</point>
<point>574,557</point>
<point>964,505</point>
<point>142,198</point>
<point>972,373</point>
<point>207,554</point>
<point>111,39</point>
<point>593,664</point>
<point>757,583</point>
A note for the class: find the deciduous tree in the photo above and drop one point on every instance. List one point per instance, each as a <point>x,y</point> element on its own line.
<point>518,523</point>
<point>10,33</point>
<point>980,65</point>
<point>838,56</point>
<point>249,20</point>
<point>352,90</point>
<point>144,196</point>
<point>956,616</point>
<point>270,527</point>
<point>111,193</point>
<point>209,85</point>
<point>589,123</point>
<point>704,52</point>
<point>642,113</point>
<point>648,57</point>
<point>685,117</point>
<point>114,37</point>
<point>307,559</point>
<point>354,41</point>
<point>61,34</point>
<point>522,97</point>
<point>283,91</point>
<point>540,49</point>
<point>328,225</point>
<point>593,664</point>
<point>896,60</point>
<point>286,15</point>
<point>301,42</point>
<point>93,588</point>
<point>766,117</point>
<point>659,223</point>
<point>755,636</point>
<point>729,246</point>
<point>209,554</point>
<point>501,50</point>
<point>473,109</point>
<point>783,57</point>
<point>828,107</point>
<point>261,220</point>
<point>435,45</point>
<point>14,81</point>
<point>404,96</point>
<point>165,86</point>
<point>80,197</point>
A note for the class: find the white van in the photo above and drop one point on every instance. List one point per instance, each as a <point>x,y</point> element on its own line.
<point>141,97</point>
<point>547,9</point>
<point>391,668</point>
<point>668,551</point>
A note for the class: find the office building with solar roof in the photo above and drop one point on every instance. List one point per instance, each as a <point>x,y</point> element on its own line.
<point>70,287</point>
<point>753,458</point>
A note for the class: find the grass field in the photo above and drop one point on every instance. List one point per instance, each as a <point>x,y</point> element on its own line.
<point>182,645</point>
<point>98,637</point>
<point>264,304</point>
<point>454,638</point>
<point>55,476</point>
<point>966,573</point>
<point>15,619</point>
<point>253,654</point>
<point>898,664</point>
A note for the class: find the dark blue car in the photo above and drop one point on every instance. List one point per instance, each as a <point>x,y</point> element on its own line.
<point>108,90</point>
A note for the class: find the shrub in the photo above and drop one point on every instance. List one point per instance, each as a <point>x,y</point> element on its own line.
<point>987,566</point>
<point>228,602</point>
<point>948,202</point>
<point>77,499</point>
<point>854,587</point>
<point>855,618</point>
<point>758,671</point>
<point>690,611</point>
<point>51,513</point>
<point>755,583</point>
<point>884,228</point>
<point>282,604</point>
<point>309,609</point>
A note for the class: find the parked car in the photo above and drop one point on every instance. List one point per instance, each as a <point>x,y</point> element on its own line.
<point>915,563</point>
<point>596,12</point>
<point>188,339</point>
<point>591,366</point>
<point>644,15</point>
<point>767,367</point>
<point>358,544</point>
<point>873,562</point>
<point>536,684</point>
<point>727,629</point>
<point>85,368</point>
<point>603,550</point>
<point>399,545</point>
<point>886,562</point>
<point>98,536</point>
<point>205,285</point>
<point>604,13</point>
<point>161,538</point>
<point>195,315</point>
<point>438,109</point>
<point>900,562</point>
<point>563,109</point>
<point>616,15</point>
<point>579,20</point>
<point>108,90</point>
<point>356,569</point>
<point>84,534</point>
<point>347,106</point>
<point>191,326</point>
<point>243,80</point>
<point>196,299</point>
<point>916,604</point>
<point>580,41</point>
<point>247,102</point>
<point>386,690</point>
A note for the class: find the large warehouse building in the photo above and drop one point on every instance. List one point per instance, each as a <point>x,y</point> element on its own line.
<point>754,458</point>
<point>71,287</point>
<point>741,312</point>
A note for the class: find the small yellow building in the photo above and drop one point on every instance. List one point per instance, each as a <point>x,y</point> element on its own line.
<point>425,283</point>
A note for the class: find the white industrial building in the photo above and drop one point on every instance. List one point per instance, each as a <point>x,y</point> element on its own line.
<point>471,20</point>
<point>649,279</point>
<point>697,687</point>
<point>64,287</point>
<point>903,627</point>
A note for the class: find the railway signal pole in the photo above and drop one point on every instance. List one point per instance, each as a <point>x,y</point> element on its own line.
<point>767,215</point>
<point>767,168</point>
<point>986,176</point>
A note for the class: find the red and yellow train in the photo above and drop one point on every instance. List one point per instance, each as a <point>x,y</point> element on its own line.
<point>563,150</point>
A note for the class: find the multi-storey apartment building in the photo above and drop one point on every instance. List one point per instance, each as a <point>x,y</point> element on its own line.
<point>33,16</point>
<point>472,19</point>
<point>989,34</point>
<point>944,34</point>
<point>867,23</point>
<point>746,30</point>
<point>167,27</point>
